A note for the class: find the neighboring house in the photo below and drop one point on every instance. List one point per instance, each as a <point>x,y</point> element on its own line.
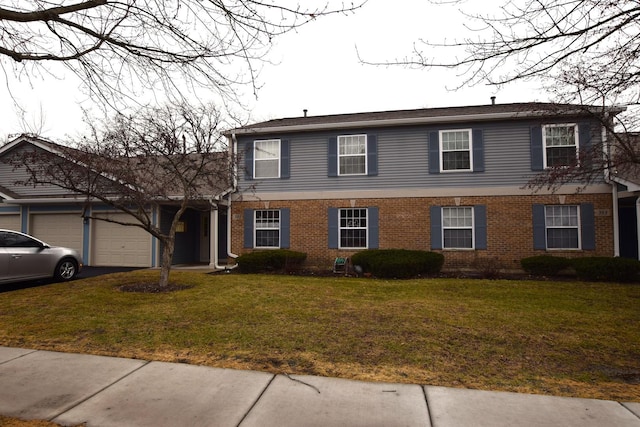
<point>627,176</point>
<point>451,180</point>
<point>60,217</point>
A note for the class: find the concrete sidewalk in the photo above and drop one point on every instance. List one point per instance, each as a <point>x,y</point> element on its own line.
<point>107,391</point>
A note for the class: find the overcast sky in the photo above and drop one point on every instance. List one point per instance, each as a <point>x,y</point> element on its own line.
<point>316,68</point>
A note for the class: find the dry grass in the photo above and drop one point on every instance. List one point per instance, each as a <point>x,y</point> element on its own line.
<point>572,339</point>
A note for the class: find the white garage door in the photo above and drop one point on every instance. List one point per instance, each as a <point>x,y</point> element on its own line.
<point>119,245</point>
<point>10,222</point>
<point>58,229</point>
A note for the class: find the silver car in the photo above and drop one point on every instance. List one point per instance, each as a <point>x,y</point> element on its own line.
<point>23,257</point>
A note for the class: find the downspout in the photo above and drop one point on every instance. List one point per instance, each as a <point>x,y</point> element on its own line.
<point>234,188</point>
<point>638,225</point>
<point>216,218</point>
<point>606,151</point>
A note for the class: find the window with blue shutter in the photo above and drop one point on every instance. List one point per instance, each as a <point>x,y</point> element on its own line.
<point>588,224</point>
<point>435,213</point>
<point>332,156</point>
<point>372,155</point>
<point>478,150</point>
<point>285,227</point>
<point>374,228</point>
<point>248,228</point>
<point>351,228</point>
<point>434,153</point>
<point>537,156</point>
<point>333,228</point>
<point>539,228</point>
<point>267,228</point>
<point>248,161</point>
<point>480,225</point>
<point>285,159</point>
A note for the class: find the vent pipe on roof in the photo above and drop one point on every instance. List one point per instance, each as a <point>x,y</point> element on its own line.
<point>305,112</point>
<point>493,100</point>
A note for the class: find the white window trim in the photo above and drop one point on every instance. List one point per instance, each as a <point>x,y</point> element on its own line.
<point>579,227</point>
<point>473,228</point>
<point>469,131</point>
<point>255,229</point>
<point>353,228</point>
<point>366,155</point>
<point>255,159</point>
<point>559,125</point>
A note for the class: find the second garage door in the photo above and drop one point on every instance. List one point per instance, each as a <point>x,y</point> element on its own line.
<point>119,245</point>
<point>58,229</point>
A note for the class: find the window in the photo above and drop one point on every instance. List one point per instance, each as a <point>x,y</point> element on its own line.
<point>267,228</point>
<point>560,144</point>
<point>14,240</point>
<point>457,227</point>
<point>562,227</point>
<point>352,155</point>
<point>266,158</point>
<point>353,228</point>
<point>456,150</point>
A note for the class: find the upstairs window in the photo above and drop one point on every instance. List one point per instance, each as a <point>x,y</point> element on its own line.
<point>456,149</point>
<point>353,228</point>
<point>560,144</point>
<point>352,155</point>
<point>267,228</point>
<point>266,157</point>
<point>562,226</point>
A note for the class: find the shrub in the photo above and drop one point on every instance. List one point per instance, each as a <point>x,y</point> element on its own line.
<point>277,260</point>
<point>606,269</point>
<point>398,263</point>
<point>544,265</point>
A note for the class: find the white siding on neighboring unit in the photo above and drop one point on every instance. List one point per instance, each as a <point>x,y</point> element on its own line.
<point>59,229</point>
<point>119,245</point>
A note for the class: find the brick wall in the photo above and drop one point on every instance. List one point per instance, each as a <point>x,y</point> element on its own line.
<point>405,223</point>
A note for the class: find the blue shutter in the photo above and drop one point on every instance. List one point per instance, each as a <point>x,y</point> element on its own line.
<point>584,136</point>
<point>248,161</point>
<point>248,228</point>
<point>588,223</point>
<point>436,227</point>
<point>332,157</point>
<point>434,153</point>
<point>372,155</point>
<point>333,228</point>
<point>539,228</point>
<point>374,228</point>
<point>537,159</point>
<point>285,226</point>
<point>285,159</point>
<point>478,150</point>
<point>480,218</point>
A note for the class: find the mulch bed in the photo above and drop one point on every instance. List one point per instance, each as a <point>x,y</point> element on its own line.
<point>153,287</point>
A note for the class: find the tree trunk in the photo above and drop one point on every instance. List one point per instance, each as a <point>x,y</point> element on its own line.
<point>167,257</point>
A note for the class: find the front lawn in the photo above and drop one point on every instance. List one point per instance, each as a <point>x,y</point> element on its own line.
<point>573,339</point>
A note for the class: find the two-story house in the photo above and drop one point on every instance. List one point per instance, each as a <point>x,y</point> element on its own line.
<point>452,180</point>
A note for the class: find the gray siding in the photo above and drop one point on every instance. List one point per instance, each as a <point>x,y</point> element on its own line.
<point>403,160</point>
<point>9,176</point>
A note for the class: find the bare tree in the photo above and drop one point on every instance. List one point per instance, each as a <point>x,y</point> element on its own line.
<point>584,52</point>
<point>119,47</point>
<point>136,164</point>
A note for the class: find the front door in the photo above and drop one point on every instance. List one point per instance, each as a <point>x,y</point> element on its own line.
<point>205,229</point>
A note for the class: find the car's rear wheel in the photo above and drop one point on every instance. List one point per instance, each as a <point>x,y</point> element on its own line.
<point>66,269</point>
